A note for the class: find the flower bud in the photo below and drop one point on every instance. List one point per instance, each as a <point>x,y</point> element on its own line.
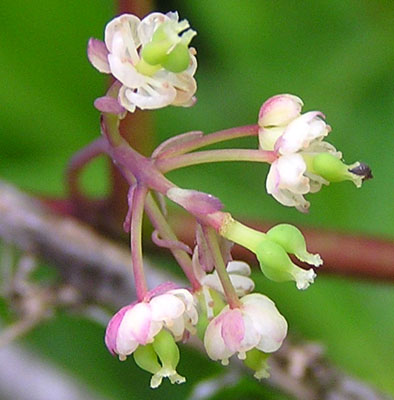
<point>274,115</point>
<point>277,266</point>
<point>280,110</point>
<point>292,240</point>
<point>194,201</point>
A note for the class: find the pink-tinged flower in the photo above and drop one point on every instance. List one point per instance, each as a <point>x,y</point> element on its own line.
<point>150,58</point>
<point>296,138</point>
<point>139,323</point>
<point>257,324</point>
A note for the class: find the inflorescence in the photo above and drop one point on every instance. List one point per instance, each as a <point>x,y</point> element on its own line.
<point>153,66</point>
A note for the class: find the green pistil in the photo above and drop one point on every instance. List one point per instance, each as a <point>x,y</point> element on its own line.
<point>146,69</point>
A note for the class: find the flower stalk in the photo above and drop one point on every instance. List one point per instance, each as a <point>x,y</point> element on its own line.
<point>220,266</point>
<point>137,210</point>
<point>211,156</point>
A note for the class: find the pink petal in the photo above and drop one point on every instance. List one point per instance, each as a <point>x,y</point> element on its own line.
<point>111,332</point>
<point>213,341</point>
<point>98,55</point>
<point>233,329</point>
<point>279,110</point>
<point>108,104</point>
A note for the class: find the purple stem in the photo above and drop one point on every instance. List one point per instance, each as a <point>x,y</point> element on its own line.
<point>170,244</point>
<point>137,211</point>
<point>208,156</point>
<point>161,225</point>
<point>212,138</point>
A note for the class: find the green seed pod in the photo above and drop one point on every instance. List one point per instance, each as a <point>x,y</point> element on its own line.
<point>166,348</point>
<point>330,168</point>
<point>146,358</point>
<point>256,360</point>
<point>277,266</point>
<point>293,241</point>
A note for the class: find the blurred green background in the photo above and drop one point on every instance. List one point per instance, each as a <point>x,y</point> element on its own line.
<point>338,56</point>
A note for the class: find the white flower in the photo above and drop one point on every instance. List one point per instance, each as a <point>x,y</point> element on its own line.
<point>296,138</point>
<point>256,324</point>
<point>239,272</point>
<point>145,85</point>
<point>139,323</point>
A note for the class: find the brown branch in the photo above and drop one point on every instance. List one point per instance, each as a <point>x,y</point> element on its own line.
<point>99,270</point>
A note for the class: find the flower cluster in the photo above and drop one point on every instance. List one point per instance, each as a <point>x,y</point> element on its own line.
<point>150,329</point>
<point>153,67</point>
<point>150,58</point>
<point>304,161</point>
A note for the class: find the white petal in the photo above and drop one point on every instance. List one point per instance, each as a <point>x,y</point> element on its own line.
<point>177,327</point>
<point>273,179</point>
<point>149,25</point>
<point>184,84</point>
<point>134,329</point>
<point>166,307</point>
<point>185,296</point>
<point>301,132</point>
<point>267,321</point>
<point>124,101</point>
<point>150,98</point>
<point>125,72</point>
<point>269,136</point>
<point>213,341</point>
<point>279,110</point>
<point>291,169</point>
<point>238,267</point>
<point>242,284</point>
<point>252,335</point>
<point>124,28</point>
<point>212,281</point>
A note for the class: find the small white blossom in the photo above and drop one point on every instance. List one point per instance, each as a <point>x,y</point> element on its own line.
<point>256,324</point>
<point>296,138</point>
<point>144,85</point>
<point>239,272</point>
<point>139,323</point>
